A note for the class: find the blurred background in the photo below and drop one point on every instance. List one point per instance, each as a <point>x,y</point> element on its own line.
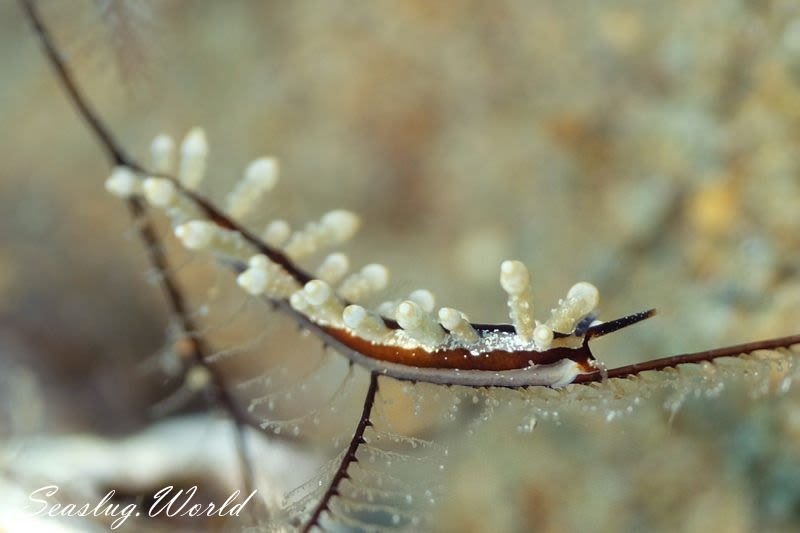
<point>650,148</point>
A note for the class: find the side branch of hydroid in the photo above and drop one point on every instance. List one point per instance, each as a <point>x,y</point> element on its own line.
<point>691,358</point>
<point>149,237</point>
<point>348,458</point>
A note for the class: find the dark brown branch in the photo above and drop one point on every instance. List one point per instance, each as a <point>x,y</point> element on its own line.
<point>148,236</point>
<point>688,358</point>
<point>200,348</point>
<point>112,148</point>
<point>349,456</point>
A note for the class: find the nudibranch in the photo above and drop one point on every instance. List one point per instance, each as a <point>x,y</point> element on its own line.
<point>409,338</point>
<point>421,344</point>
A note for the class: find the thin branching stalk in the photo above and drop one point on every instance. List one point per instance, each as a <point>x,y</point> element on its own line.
<point>149,237</point>
<point>689,358</point>
<point>349,457</point>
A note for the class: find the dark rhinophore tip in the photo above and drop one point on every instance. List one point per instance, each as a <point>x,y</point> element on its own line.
<point>610,327</point>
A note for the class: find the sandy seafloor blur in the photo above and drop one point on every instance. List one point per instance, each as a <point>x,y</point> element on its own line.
<point>650,148</point>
